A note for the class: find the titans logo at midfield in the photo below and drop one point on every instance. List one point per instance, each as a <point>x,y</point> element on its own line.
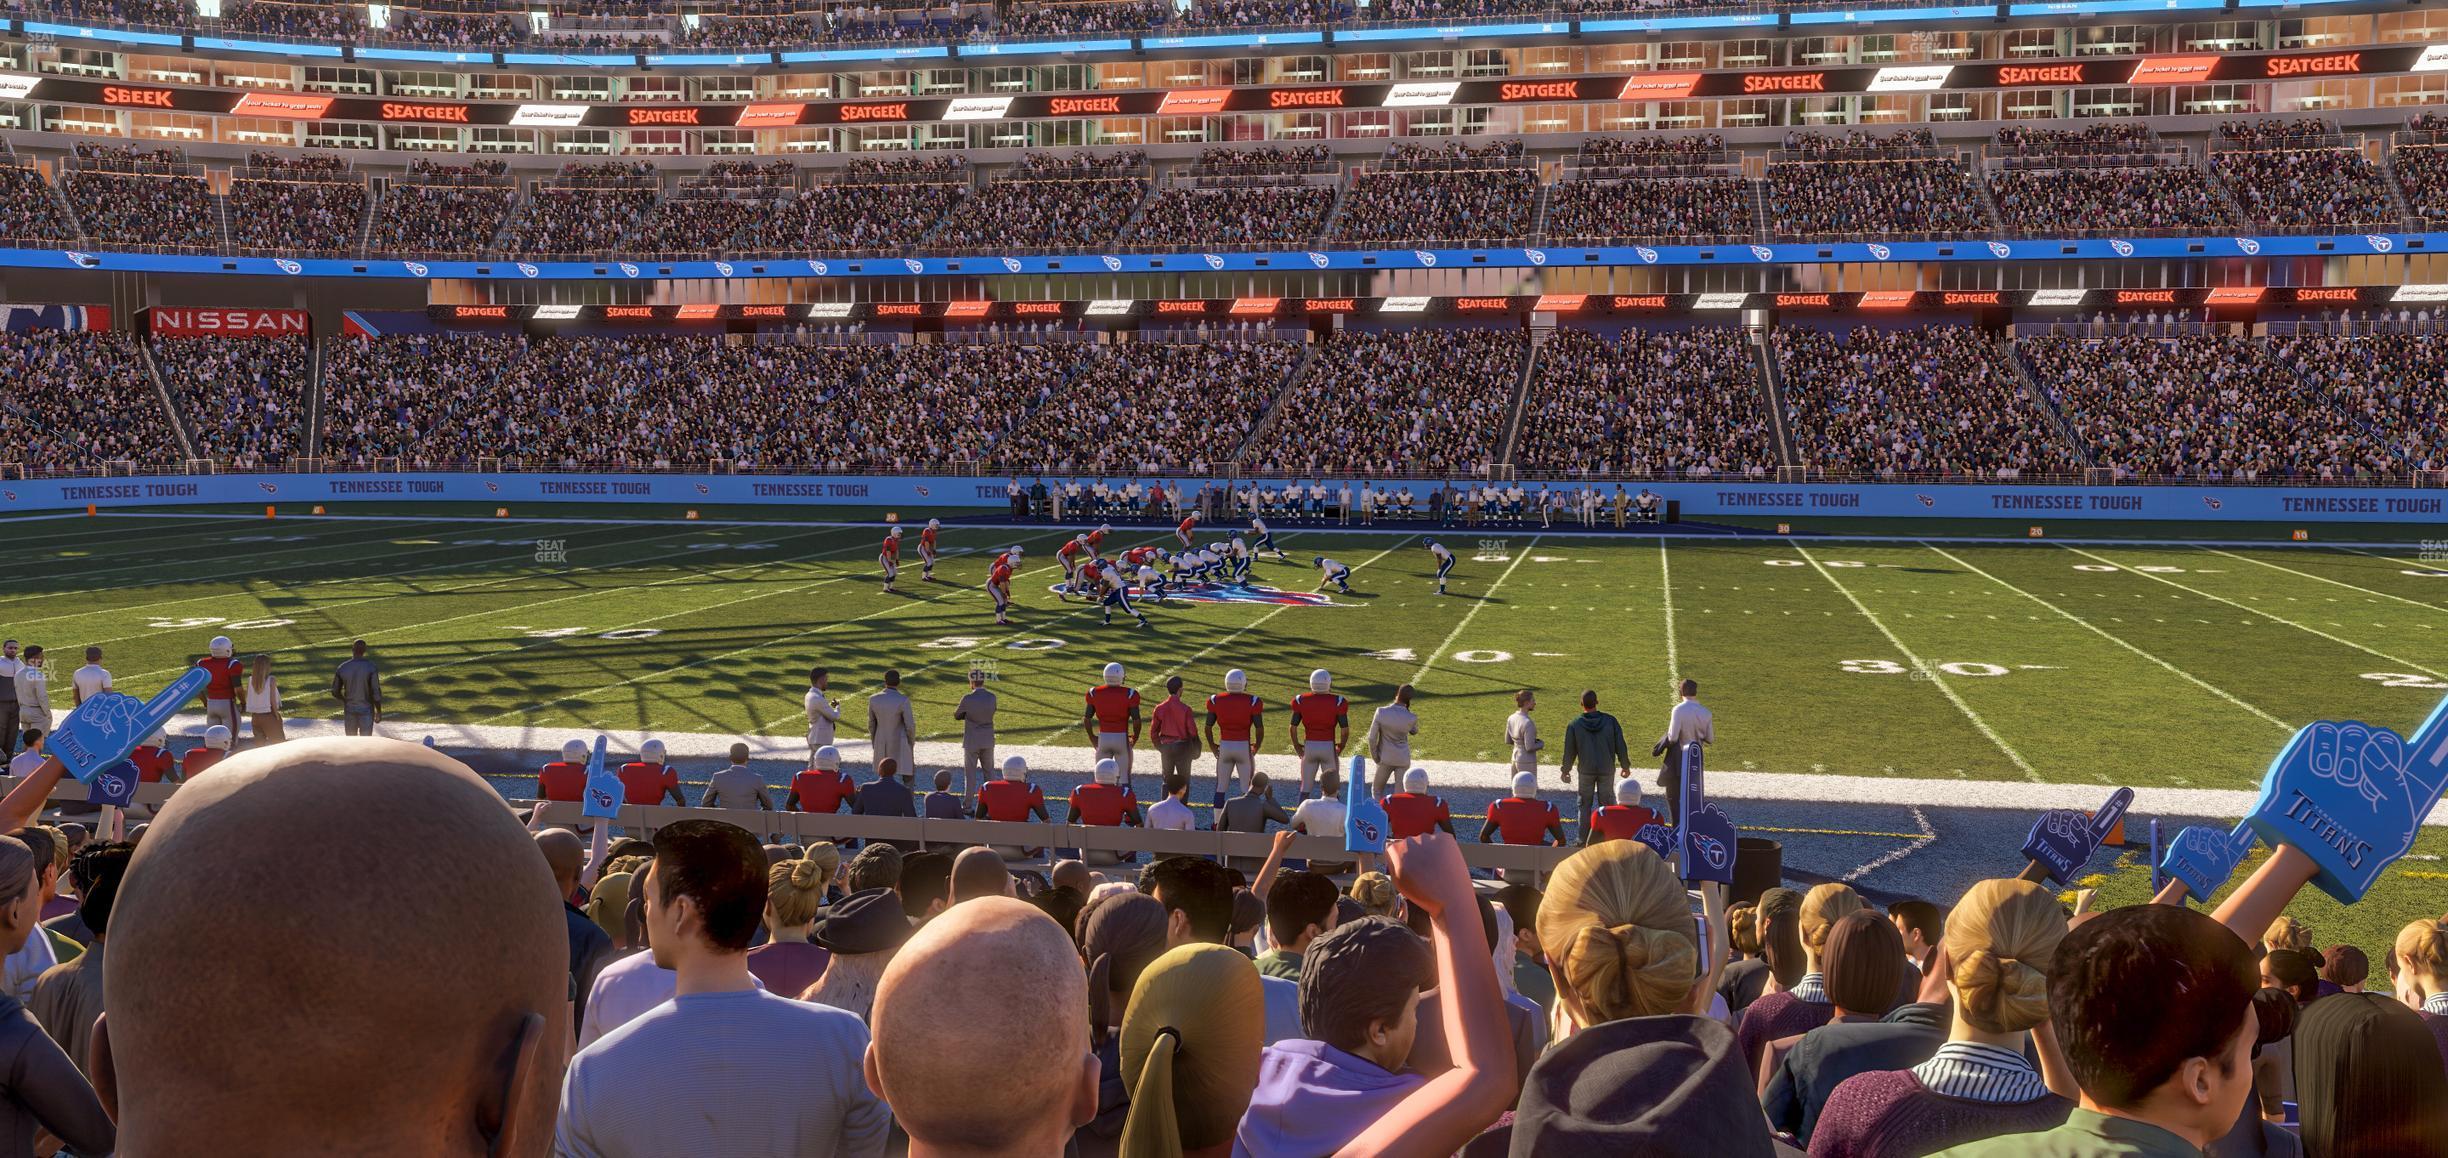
<point>1226,593</point>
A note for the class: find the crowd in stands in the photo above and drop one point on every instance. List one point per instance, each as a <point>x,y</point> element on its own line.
<point>79,399</point>
<point>1861,142</point>
<point>1234,216</point>
<point>1436,206</point>
<point>581,219</point>
<point>243,402</point>
<point>2314,187</point>
<point>1043,19</point>
<point>709,218</point>
<point>867,217</point>
<point>2107,137</point>
<point>287,19</point>
<point>419,220</point>
<point>30,210</point>
<point>2069,196</point>
<point>1646,402</point>
<point>2277,131</point>
<point>1152,408</point>
<point>147,202</point>
<point>2422,175</point>
<point>1050,200</point>
<point>1673,208</point>
<point>1913,402</point>
<point>1880,196</point>
<point>310,204</point>
<point>1263,161</point>
<point>2197,406</point>
<point>2393,383</point>
<point>1422,401</point>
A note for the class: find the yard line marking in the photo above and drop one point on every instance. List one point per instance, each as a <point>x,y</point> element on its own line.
<point>1928,837</point>
<point>1210,649</point>
<point>581,697</point>
<point>158,565</point>
<point>1935,677</point>
<point>2332,582</point>
<point>321,608</point>
<point>1467,616</point>
<point>2415,562</point>
<point>2409,664</point>
<point>517,607</point>
<point>1674,665</point>
<point>2078,621</point>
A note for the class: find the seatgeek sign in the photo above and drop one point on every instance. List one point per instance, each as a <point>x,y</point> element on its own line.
<point>1700,500</point>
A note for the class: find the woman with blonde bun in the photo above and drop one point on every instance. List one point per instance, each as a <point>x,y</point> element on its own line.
<point>1377,894</point>
<point>1999,941</point>
<point>794,894</point>
<point>1638,1067</point>
<point>1804,1007</point>
<point>2419,959</point>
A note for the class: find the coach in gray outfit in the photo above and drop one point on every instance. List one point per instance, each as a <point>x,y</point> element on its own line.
<point>891,729</point>
<point>358,686</point>
<point>976,712</point>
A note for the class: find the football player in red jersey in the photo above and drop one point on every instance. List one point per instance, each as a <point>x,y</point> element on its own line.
<point>216,748</point>
<point>650,779</point>
<point>822,788</point>
<point>565,778</point>
<point>1112,720</point>
<point>1141,556</point>
<point>1073,553</point>
<point>221,695</point>
<point>153,760</point>
<point>1241,716</point>
<point>1096,538</point>
<point>1189,524</point>
<point>926,550</point>
<point>1323,727</point>
<point>1011,797</point>
<point>1412,811</point>
<point>891,557</point>
<point>1523,818</point>
<point>1620,820</point>
<point>1105,802</point>
<point>998,584</point>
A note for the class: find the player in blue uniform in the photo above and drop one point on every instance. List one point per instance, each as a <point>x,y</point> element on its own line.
<point>1335,573</point>
<point>1152,584</point>
<point>1265,537</point>
<point>1238,554</point>
<point>1444,563</point>
<point>1116,593</point>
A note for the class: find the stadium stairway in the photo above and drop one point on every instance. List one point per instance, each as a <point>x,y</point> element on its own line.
<point>2048,405</point>
<point>178,421</point>
<point>311,438</point>
<point>1291,387</point>
<point>1521,387</point>
<point>1763,356</point>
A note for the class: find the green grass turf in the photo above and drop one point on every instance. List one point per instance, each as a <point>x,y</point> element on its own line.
<point>1987,661</point>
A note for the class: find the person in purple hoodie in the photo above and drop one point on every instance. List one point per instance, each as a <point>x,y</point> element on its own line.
<point>1359,988</point>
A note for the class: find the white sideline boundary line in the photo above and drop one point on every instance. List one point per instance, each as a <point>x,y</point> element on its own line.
<point>2330,581</point>
<point>707,750</point>
<point>1473,613</point>
<point>1928,837</point>
<point>1738,536</point>
<point>2087,625</point>
<point>1674,665</point>
<point>1935,676</point>
<point>2409,664</point>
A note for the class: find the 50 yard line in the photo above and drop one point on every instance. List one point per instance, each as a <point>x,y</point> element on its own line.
<point>1467,616</point>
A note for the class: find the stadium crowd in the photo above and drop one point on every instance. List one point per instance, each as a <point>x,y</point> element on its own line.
<point>1423,401</point>
<point>577,219</point>
<point>436,219</point>
<point>2196,406</point>
<point>1419,206</point>
<point>243,403</point>
<point>146,207</point>
<point>1913,402</point>
<point>1050,200</point>
<point>79,400</point>
<point>2310,188</point>
<point>2422,175</point>
<point>307,204</point>
<point>1153,407</point>
<point>1646,402</point>
<point>2391,382</point>
<point>30,211</point>
<point>1676,209</point>
<point>1874,196</point>
<point>2077,195</point>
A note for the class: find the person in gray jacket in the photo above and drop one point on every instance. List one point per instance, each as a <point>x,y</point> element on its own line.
<point>976,712</point>
<point>891,729</point>
<point>357,684</point>
<point>1593,743</point>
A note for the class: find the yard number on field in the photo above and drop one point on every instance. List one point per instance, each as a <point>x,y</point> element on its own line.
<point>1891,667</point>
<point>175,623</point>
<point>2398,679</point>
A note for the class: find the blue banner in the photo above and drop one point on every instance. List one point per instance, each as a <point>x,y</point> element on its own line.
<point>2307,506</point>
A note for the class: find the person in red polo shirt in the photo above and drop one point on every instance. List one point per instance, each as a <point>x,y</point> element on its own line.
<point>1523,818</point>
<point>1112,720</point>
<point>1618,821</point>
<point>565,778</point>
<point>1242,718</point>
<point>1322,726</point>
<point>822,788</point>
<point>1012,799</point>
<point>1105,802</point>
<point>1412,811</point>
<point>650,779</point>
<point>221,695</point>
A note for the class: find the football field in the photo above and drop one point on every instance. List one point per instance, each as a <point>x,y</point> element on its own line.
<point>2141,664</point>
<point>1893,710</point>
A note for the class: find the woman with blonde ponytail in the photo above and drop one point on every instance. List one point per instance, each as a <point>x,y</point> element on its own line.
<point>2420,962</point>
<point>1995,959</point>
<point>794,893</point>
<point>1638,1067</point>
<point>1805,1007</point>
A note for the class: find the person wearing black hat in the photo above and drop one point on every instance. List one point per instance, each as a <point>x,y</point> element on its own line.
<point>862,931</point>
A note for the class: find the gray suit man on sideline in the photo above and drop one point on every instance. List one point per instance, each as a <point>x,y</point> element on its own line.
<point>358,686</point>
<point>976,712</point>
<point>891,728</point>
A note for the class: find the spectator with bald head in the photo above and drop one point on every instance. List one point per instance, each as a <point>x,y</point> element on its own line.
<point>979,872</point>
<point>784,1073</point>
<point>930,1012</point>
<point>468,1044</point>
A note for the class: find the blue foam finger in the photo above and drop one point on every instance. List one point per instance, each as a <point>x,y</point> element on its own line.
<point>1364,820</point>
<point>1708,846</point>
<point>115,785</point>
<point>1660,837</point>
<point>104,729</point>
<point>603,787</point>
<point>2202,857</point>
<point>2063,839</point>
<point>2351,796</point>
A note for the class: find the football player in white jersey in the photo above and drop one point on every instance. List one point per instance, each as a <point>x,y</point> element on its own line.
<point>1265,537</point>
<point>1444,563</point>
<point>1333,572</point>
